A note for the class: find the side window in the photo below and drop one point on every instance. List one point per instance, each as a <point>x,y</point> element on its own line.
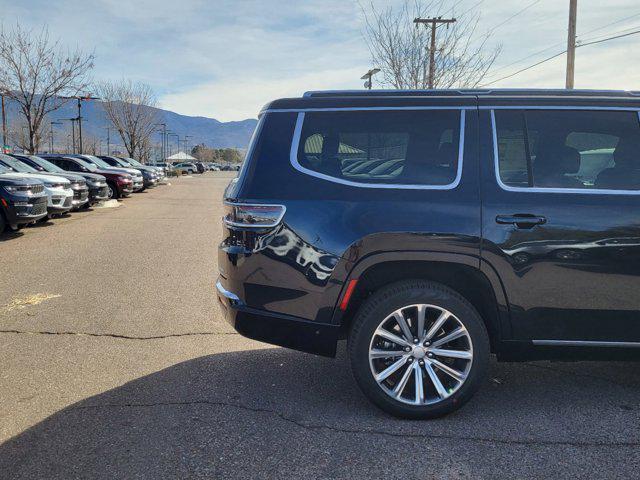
<point>418,147</point>
<point>581,149</point>
<point>71,166</point>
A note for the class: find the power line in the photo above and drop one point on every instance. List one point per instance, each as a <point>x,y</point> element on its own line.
<point>609,38</point>
<point>516,14</point>
<point>526,68</point>
<point>609,24</point>
<point>455,5</point>
<point>500,69</point>
<point>560,53</point>
<point>471,8</point>
<point>598,37</point>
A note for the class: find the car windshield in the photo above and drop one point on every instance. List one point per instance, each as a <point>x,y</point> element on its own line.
<point>46,164</point>
<point>96,161</point>
<point>4,169</point>
<point>133,162</point>
<point>89,166</point>
<point>122,163</point>
<point>16,165</point>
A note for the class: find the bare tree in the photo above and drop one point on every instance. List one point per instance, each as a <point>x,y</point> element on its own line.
<point>401,49</point>
<point>131,108</point>
<point>35,72</point>
<point>91,145</point>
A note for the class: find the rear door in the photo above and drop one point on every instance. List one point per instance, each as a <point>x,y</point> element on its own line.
<point>561,220</point>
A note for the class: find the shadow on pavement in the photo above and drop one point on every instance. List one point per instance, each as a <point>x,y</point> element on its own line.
<point>276,413</point>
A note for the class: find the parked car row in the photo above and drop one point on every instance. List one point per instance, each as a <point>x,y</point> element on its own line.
<point>36,187</point>
<point>189,168</point>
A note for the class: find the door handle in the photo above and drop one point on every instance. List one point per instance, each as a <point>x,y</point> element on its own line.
<point>521,220</point>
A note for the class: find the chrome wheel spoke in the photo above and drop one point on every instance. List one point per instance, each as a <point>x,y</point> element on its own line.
<point>419,383</point>
<point>422,311</point>
<point>463,354</point>
<point>457,333</point>
<point>399,388</point>
<point>386,353</point>
<point>404,326</point>
<point>395,357</point>
<point>392,337</point>
<point>459,376</point>
<point>383,375</point>
<point>437,325</point>
<point>442,392</point>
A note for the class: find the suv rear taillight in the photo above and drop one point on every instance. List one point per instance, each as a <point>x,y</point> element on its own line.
<point>245,215</point>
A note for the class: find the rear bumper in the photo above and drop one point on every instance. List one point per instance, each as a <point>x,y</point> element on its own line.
<point>277,329</point>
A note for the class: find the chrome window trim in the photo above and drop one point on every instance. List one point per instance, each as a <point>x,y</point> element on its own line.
<point>254,204</point>
<point>585,343</point>
<point>560,107</point>
<point>586,191</point>
<point>293,156</point>
<point>358,109</point>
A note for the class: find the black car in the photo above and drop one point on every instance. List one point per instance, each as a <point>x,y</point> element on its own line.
<point>97,184</point>
<point>201,167</point>
<point>78,183</point>
<point>433,228</point>
<point>22,200</point>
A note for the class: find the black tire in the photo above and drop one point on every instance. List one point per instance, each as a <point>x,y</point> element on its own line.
<point>3,223</point>
<point>390,298</point>
<point>113,194</point>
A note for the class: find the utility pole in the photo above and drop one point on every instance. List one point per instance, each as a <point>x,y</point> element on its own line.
<point>4,125</point>
<point>571,43</point>
<point>432,49</point>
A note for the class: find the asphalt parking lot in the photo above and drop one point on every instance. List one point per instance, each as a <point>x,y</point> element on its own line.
<point>116,363</point>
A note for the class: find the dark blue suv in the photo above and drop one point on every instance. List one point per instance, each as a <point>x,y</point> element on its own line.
<point>434,228</point>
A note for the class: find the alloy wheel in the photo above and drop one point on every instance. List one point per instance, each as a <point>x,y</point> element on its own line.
<point>420,354</point>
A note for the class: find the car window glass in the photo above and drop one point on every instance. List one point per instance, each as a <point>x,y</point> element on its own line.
<point>393,147</point>
<point>579,149</point>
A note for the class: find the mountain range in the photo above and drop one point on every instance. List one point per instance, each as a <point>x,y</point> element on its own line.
<point>209,131</point>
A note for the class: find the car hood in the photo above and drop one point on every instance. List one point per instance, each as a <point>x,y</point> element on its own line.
<point>146,169</point>
<point>13,179</point>
<point>130,171</point>
<point>93,177</point>
<point>72,177</point>
<point>43,177</point>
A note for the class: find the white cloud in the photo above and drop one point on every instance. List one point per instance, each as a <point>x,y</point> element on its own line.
<point>232,99</point>
<point>226,58</point>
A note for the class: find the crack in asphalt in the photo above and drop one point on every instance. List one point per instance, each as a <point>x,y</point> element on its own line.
<point>311,426</point>
<point>117,335</point>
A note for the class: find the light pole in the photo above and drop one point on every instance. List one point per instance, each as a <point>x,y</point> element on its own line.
<point>79,119</point>
<point>108,128</point>
<point>178,141</point>
<point>53,122</point>
<point>163,133</point>
<point>185,143</point>
<point>368,77</point>
<point>4,123</point>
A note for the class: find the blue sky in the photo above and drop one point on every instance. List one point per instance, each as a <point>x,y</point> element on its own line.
<point>225,59</point>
